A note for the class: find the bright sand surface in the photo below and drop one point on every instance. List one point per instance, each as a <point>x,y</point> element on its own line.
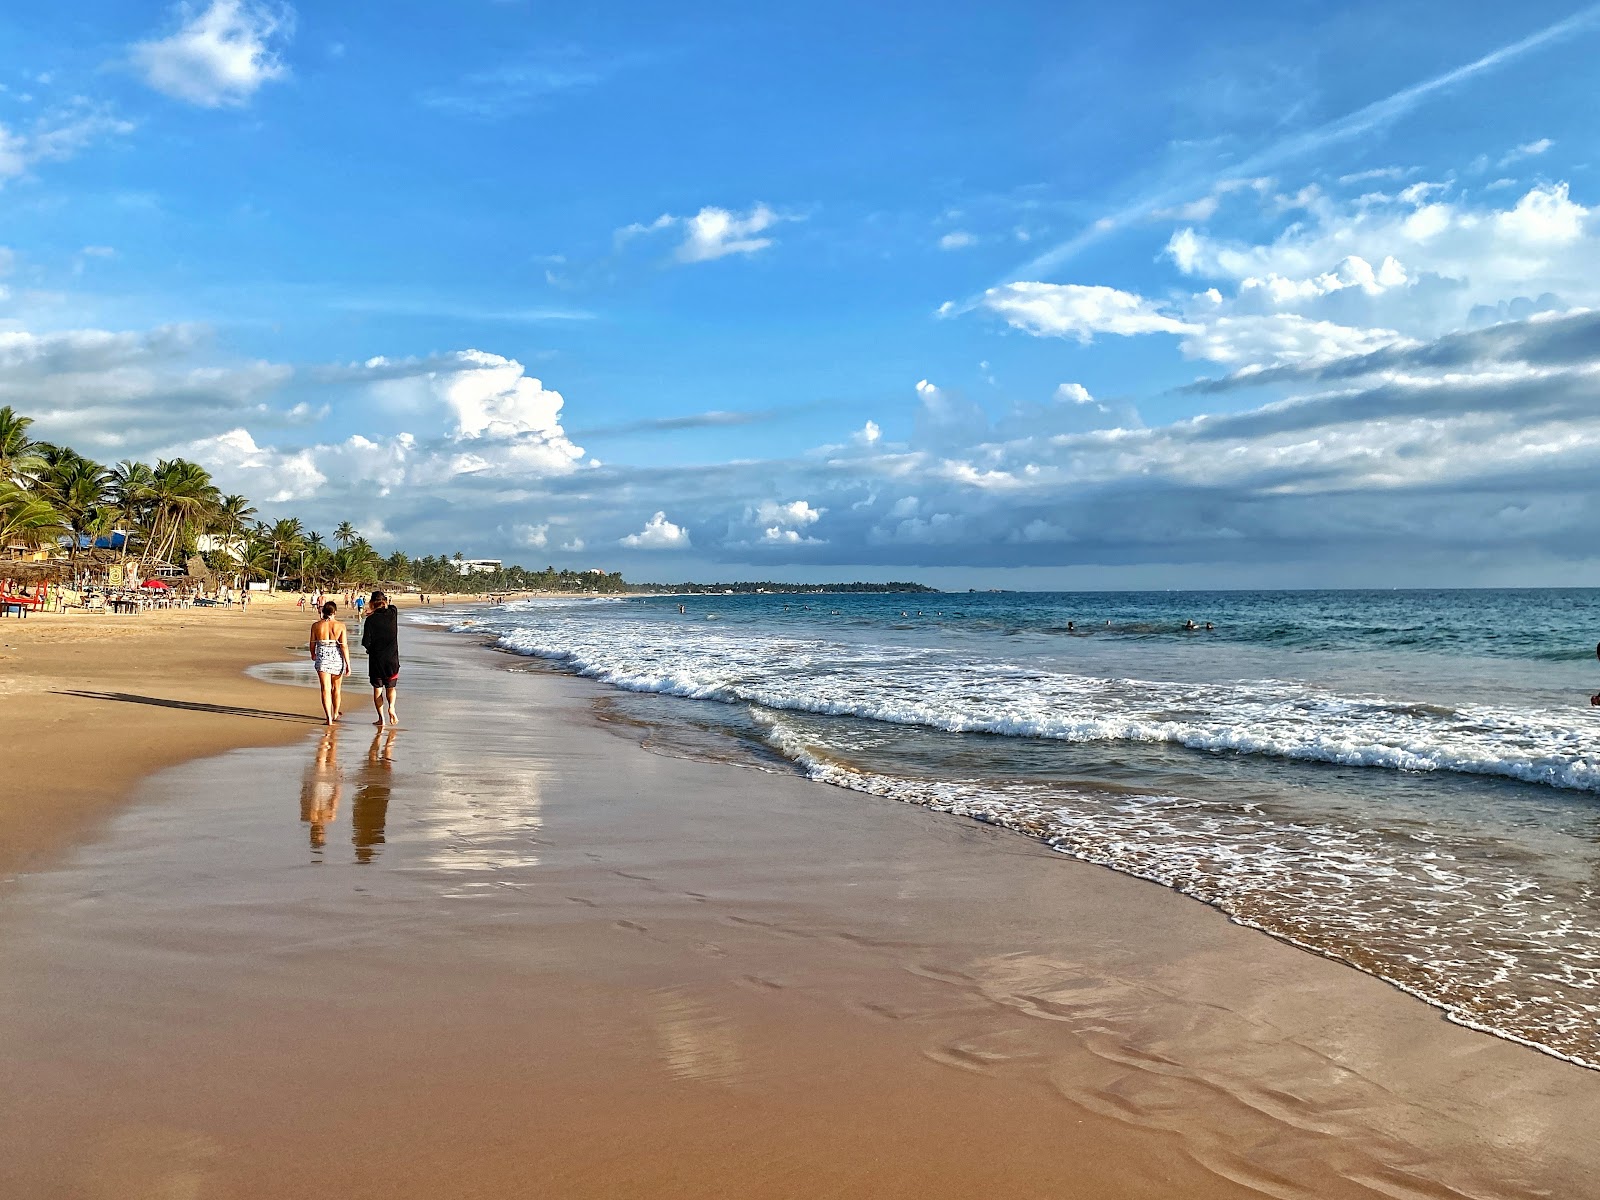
<point>504,952</point>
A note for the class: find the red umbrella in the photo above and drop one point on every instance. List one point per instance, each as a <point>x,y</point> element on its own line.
<point>154,583</point>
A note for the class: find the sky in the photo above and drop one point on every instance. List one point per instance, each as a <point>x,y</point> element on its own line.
<point>1032,295</point>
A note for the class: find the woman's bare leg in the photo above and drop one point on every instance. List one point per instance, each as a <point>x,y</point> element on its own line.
<point>338,696</point>
<point>325,685</point>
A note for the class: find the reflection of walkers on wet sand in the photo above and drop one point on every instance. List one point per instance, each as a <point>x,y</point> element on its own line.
<point>380,638</point>
<point>369,810</point>
<point>321,789</point>
<point>331,657</point>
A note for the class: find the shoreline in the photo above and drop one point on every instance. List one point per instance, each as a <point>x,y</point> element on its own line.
<point>1236,1064</point>
<point>858,783</point>
<point>96,703</point>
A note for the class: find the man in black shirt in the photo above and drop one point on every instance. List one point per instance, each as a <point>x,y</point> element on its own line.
<point>380,638</point>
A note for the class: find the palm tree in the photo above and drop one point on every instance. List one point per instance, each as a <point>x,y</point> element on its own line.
<point>285,537</point>
<point>183,498</point>
<point>256,559</point>
<point>26,519</point>
<point>132,487</point>
<point>345,533</point>
<point>19,459</point>
<point>77,488</point>
<point>232,513</point>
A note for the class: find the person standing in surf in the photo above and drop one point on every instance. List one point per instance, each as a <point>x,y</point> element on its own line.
<point>331,657</point>
<point>380,638</point>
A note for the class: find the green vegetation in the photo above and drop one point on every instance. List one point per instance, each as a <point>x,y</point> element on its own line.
<point>51,495</point>
<point>805,589</point>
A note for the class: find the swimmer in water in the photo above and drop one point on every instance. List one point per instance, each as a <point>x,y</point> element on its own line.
<point>1188,625</point>
<point>1209,626</point>
<point>1069,626</point>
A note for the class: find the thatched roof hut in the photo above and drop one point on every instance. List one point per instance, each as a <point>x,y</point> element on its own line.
<point>35,572</point>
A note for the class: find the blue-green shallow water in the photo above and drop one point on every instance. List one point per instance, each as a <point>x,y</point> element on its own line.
<point>1409,781</point>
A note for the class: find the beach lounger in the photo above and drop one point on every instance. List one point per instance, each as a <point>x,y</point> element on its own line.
<point>23,601</point>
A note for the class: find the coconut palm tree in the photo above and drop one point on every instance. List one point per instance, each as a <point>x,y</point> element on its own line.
<point>77,488</point>
<point>27,519</point>
<point>285,537</point>
<point>256,560</point>
<point>345,533</point>
<point>232,513</point>
<point>19,459</point>
<point>183,498</point>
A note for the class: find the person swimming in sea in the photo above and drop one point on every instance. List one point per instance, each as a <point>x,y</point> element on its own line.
<point>1189,625</point>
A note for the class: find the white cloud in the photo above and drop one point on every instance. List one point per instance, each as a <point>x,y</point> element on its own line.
<point>797,512</point>
<point>1279,338</point>
<point>532,537</point>
<point>867,435</point>
<point>55,136</point>
<point>219,55</point>
<point>264,473</point>
<point>1546,216</point>
<point>713,232</point>
<point>658,534</point>
<point>573,546</point>
<point>1073,393</point>
<point>1077,310</point>
<point>958,239</point>
<point>502,420</point>
<point>1526,150</point>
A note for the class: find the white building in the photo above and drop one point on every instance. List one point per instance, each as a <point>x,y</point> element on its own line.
<point>478,566</point>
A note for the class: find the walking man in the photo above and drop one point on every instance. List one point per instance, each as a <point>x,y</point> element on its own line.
<point>380,638</point>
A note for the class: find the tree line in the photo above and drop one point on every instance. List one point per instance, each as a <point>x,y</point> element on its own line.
<point>50,495</point>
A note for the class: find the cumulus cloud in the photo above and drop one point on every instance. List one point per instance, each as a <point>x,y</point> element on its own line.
<point>501,419</point>
<point>1416,262</point>
<point>713,233</point>
<point>958,239</point>
<point>218,55</point>
<point>1078,311</point>
<point>658,534</point>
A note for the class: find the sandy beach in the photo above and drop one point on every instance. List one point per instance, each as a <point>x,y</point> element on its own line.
<point>503,951</point>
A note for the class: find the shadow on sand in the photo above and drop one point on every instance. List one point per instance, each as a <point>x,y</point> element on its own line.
<point>226,710</point>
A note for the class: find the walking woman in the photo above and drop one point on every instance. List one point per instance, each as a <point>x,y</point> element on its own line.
<point>331,657</point>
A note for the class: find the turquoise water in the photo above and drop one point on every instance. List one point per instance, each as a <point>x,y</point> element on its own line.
<point>1408,781</point>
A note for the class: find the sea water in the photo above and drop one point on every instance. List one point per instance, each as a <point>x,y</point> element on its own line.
<point>1406,781</point>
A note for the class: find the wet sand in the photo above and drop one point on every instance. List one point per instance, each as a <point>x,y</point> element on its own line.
<point>90,705</point>
<point>504,952</point>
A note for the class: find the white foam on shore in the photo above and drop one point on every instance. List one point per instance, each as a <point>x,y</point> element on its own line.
<point>941,689</point>
<point>1471,934</point>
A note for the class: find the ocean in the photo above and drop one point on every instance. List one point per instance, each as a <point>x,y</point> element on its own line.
<point>1406,781</point>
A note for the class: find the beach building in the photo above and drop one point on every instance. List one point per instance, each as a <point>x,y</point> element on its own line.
<point>478,566</point>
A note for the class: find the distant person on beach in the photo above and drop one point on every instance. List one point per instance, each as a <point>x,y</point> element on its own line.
<point>331,657</point>
<point>1595,699</point>
<point>380,638</point>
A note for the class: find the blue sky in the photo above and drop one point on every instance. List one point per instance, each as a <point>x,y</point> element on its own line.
<point>1004,294</point>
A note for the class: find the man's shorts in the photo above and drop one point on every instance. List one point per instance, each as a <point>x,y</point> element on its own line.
<point>383,672</point>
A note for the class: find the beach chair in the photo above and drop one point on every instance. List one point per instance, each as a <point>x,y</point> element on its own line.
<point>23,600</point>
